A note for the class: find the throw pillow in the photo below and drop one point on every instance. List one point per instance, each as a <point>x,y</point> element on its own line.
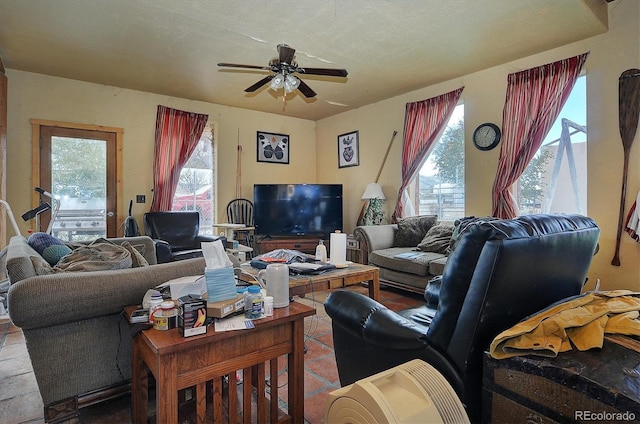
<point>49,247</point>
<point>41,266</point>
<point>412,230</point>
<point>437,239</point>
<point>137,259</point>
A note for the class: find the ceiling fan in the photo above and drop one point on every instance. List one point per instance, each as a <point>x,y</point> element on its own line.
<point>283,69</point>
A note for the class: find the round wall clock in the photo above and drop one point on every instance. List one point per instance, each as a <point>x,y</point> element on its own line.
<point>486,136</point>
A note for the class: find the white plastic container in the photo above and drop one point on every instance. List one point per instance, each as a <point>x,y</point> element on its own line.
<point>268,306</point>
<point>321,252</point>
<point>154,305</point>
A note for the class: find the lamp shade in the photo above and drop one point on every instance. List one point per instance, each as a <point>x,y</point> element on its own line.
<point>373,191</point>
<point>291,83</point>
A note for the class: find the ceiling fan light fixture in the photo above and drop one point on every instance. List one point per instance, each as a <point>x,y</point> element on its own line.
<point>277,82</point>
<point>291,83</point>
<point>282,69</point>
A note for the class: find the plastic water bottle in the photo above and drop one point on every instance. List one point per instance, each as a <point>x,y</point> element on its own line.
<point>253,303</point>
<point>321,252</point>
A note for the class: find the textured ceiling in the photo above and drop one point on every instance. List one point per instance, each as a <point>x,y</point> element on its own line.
<point>172,47</point>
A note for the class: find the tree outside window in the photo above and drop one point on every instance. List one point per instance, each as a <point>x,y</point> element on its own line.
<point>439,186</point>
<point>556,179</point>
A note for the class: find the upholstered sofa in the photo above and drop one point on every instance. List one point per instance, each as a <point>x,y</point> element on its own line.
<point>78,339</point>
<point>498,272</point>
<point>405,258</point>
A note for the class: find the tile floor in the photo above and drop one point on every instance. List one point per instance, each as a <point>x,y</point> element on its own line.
<point>20,400</point>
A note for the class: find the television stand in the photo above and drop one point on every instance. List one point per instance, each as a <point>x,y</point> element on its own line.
<point>304,244</point>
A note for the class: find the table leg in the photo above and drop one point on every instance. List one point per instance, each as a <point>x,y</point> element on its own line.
<point>139,385</point>
<point>374,286</point>
<point>167,389</point>
<point>296,373</point>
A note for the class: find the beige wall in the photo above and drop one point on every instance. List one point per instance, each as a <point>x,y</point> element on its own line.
<point>314,144</point>
<point>483,97</point>
<point>44,97</point>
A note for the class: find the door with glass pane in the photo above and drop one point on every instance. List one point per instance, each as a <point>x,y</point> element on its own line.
<point>78,167</point>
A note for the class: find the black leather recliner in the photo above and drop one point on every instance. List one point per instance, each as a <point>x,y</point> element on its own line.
<point>499,272</point>
<point>176,235</point>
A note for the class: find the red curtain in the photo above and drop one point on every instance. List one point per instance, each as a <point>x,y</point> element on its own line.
<point>177,135</point>
<point>534,100</point>
<point>423,123</point>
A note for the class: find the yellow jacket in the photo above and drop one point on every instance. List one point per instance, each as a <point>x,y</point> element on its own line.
<point>581,321</point>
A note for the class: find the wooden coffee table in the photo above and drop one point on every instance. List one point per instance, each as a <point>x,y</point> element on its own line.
<point>177,362</point>
<point>299,285</point>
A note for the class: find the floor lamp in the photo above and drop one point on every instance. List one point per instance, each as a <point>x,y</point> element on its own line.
<point>374,214</point>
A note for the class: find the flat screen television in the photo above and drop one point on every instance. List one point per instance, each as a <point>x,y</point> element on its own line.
<point>297,209</point>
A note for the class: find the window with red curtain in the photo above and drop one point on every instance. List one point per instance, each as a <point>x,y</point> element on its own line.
<point>534,100</point>
<point>423,123</point>
<point>177,135</point>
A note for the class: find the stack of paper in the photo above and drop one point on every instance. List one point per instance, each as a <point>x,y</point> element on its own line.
<point>221,284</point>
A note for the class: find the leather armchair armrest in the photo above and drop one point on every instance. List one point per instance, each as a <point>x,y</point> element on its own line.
<point>163,251</point>
<point>372,322</point>
<point>369,338</point>
<point>205,238</point>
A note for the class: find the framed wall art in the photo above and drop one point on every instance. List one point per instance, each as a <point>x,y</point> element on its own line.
<point>273,147</point>
<point>348,153</point>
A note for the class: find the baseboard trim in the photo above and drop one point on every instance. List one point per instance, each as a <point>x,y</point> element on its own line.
<point>66,410</point>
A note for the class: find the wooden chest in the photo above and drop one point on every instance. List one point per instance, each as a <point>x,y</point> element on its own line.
<point>592,386</point>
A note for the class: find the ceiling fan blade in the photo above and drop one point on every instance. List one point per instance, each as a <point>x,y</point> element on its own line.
<point>323,71</point>
<point>286,53</point>
<point>259,84</point>
<point>235,65</point>
<point>306,90</point>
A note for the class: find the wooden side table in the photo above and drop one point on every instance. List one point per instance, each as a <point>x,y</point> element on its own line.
<point>177,362</point>
<point>353,249</point>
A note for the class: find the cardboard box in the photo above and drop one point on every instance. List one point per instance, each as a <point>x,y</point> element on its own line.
<point>183,286</point>
<point>225,308</point>
<point>192,314</point>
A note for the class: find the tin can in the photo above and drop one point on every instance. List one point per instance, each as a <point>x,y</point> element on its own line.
<point>165,318</point>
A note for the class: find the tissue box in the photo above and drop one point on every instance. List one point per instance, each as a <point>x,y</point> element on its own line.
<point>183,286</point>
<point>221,284</point>
<point>192,315</point>
<point>225,308</point>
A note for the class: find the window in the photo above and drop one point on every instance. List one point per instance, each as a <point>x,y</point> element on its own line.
<point>439,187</point>
<point>196,189</point>
<point>78,164</point>
<point>556,179</point>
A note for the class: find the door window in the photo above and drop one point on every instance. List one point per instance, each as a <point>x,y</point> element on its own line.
<point>78,167</point>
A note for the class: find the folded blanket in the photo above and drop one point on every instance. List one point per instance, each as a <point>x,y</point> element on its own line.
<point>581,321</point>
<point>95,257</point>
